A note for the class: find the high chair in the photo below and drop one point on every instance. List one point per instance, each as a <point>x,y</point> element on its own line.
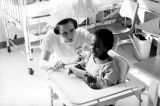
<point>73,91</point>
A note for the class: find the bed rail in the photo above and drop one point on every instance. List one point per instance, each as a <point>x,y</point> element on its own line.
<point>14,11</point>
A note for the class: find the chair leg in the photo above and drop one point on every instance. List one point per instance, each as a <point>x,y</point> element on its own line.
<point>139,98</point>
<point>158,102</point>
<point>51,94</point>
<point>135,48</point>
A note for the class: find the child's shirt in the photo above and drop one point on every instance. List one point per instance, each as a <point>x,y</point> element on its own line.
<point>106,74</point>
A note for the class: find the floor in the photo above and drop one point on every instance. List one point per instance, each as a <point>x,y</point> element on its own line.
<point>19,88</point>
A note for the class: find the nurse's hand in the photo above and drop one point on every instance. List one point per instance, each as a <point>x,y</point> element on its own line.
<point>58,65</point>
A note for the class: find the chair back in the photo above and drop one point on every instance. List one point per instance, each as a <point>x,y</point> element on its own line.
<point>122,64</point>
<point>129,10</point>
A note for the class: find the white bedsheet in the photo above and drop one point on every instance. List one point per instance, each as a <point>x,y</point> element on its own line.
<point>39,9</point>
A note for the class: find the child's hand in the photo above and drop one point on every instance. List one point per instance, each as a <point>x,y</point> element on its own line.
<point>70,71</point>
<point>77,72</point>
<point>80,66</point>
<point>90,79</point>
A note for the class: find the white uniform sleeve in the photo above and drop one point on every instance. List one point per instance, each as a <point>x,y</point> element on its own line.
<point>47,42</point>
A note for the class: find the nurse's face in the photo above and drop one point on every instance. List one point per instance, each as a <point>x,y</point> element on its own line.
<point>67,32</point>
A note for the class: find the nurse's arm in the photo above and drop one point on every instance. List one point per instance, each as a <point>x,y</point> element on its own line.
<point>44,60</point>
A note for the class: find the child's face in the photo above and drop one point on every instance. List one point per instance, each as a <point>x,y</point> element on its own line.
<point>67,32</point>
<point>97,47</point>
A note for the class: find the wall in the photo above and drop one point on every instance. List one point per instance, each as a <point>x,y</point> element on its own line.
<point>2,32</point>
<point>150,5</point>
<point>148,9</point>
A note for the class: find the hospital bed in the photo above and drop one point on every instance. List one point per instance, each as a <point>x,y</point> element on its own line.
<point>73,91</point>
<point>26,15</point>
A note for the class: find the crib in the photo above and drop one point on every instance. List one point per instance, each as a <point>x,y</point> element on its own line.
<point>25,15</point>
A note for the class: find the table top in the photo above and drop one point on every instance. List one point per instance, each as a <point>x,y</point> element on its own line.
<point>79,93</point>
<point>150,66</point>
<point>151,26</point>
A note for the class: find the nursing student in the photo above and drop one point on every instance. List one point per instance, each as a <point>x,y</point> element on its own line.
<point>64,42</point>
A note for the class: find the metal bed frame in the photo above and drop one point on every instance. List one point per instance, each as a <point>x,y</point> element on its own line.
<point>15,12</point>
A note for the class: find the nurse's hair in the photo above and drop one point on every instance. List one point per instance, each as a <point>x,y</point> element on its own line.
<point>63,22</point>
<point>106,36</point>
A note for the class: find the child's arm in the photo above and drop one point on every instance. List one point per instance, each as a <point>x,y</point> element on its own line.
<point>78,72</point>
<point>109,76</point>
<point>94,82</point>
<point>84,75</point>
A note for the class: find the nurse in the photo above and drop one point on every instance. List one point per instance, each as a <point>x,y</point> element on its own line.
<point>64,42</point>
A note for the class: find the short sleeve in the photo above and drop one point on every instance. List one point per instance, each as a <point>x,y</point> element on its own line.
<point>48,42</point>
<point>111,72</point>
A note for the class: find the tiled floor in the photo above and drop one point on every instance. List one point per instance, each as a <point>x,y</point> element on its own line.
<point>18,88</point>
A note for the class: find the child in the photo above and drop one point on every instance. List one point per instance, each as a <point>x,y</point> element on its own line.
<point>100,69</point>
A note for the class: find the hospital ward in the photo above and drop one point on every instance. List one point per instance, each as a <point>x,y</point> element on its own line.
<point>79,52</point>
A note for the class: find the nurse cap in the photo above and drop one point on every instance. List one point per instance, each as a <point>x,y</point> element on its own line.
<point>63,13</point>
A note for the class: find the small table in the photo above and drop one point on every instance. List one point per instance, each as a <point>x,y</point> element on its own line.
<point>73,91</point>
<point>151,68</point>
<point>152,27</point>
